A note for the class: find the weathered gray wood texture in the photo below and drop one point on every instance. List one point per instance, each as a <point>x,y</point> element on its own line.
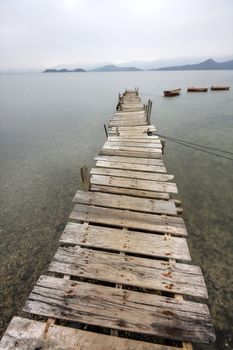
<point>166,207</point>
<point>132,174</point>
<point>140,272</point>
<point>133,160</point>
<point>131,166</point>
<point>130,153</point>
<point>24,334</point>
<point>129,219</point>
<point>130,192</point>
<point>130,183</point>
<point>120,240</point>
<point>120,309</point>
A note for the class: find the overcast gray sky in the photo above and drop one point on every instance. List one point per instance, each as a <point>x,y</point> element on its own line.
<point>44,33</point>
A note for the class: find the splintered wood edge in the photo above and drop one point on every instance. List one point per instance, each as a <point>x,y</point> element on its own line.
<point>29,334</point>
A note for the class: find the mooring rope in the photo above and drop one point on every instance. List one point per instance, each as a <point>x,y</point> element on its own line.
<point>197,147</point>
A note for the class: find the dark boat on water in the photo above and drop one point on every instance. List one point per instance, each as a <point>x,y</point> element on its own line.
<point>194,89</point>
<point>170,93</point>
<point>219,88</point>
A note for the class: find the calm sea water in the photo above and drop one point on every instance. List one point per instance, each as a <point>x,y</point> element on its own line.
<point>50,125</point>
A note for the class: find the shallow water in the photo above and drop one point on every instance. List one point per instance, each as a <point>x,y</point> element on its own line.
<point>51,124</point>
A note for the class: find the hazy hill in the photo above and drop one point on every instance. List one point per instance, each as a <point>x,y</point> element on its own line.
<point>114,68</point>
<point>209,64</point>
<point>64,70</point>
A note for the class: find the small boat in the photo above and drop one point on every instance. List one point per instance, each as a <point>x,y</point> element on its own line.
<point>219,88</point>
<point>170,93</point>
<point>194,89</point>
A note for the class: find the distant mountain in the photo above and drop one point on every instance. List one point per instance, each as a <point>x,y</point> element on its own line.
<point>209,64</point>
<point>114,68</point>
<point>64,70</point>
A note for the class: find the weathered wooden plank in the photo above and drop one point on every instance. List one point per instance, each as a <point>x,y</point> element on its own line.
<point>131,108</point>
<point>114,152</point>
<point>132,174</point>
<point>136,128</point>
<point>130,192</point>
<point>120,309</point>
<point>128,118</point>
<point>129,123</point>
<point>25,334</point>
<point>132,102</point>
<point>128,134</point>
<point>127,270</point>
<point>134,144</point>
<point>131,166</point>
<point>129,219</point>
<point>125,202</point>
<point>114,239</point>
<point>137,140</point>
<point>129,148</point>
<point>148,185</point>
<point>128,115</point>
<point>144,161</point>
<point>142,137</point>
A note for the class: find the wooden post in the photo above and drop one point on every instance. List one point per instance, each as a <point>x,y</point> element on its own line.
<point>146,112</point>
<point>85,176</point>
<point>163,145</point>
<point>177,202</point>
<point>150,107</point>
<point>106,130</point>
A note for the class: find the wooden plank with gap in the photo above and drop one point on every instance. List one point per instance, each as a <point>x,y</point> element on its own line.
<point>166,207</point>
<point>129,219</point>
<point>118,139</point>
<point>131,166</point>
<point>126,114</point>
<point>139,184</point>
<point>132,148</point>
<point>133,242</point>
<point>132,174</point>
<point>133,144</point>
<point>25,334</point>
<point>129,123</point>
<point>120,309</point>
<point>132,160</point>
<point>140,138</point>
<point>128,118</point>
<point>130,192</point>
<point>128,270</point>
<point>141,154</point>
<point>135,128</point>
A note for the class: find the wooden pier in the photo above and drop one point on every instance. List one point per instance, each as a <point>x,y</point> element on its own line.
<point>121,278</point>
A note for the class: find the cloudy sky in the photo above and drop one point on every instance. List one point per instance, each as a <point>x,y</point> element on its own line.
<point>45,33</point>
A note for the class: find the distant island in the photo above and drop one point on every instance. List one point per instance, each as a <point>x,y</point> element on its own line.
<point>108,68</point>
<point>114,68</point>
<point>64,70</point>
<point>209,64</point>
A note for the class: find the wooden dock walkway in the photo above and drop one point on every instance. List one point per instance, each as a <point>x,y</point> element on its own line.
<point>121,278</point>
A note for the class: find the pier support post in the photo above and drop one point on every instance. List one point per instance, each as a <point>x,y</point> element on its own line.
<point>163,145</point>
<point>106,130</point>
<point>148,111</point>
<point>85,176</point>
